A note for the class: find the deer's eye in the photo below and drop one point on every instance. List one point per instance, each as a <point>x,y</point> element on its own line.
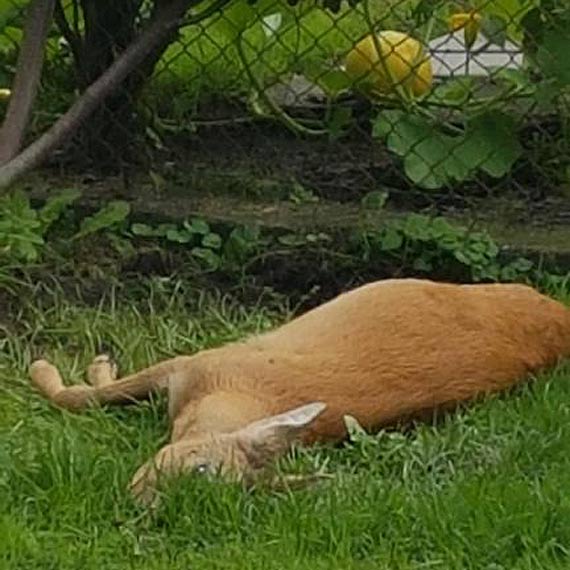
<point>202,469</point>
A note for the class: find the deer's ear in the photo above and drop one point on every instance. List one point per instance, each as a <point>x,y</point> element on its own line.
<point>271,436</point>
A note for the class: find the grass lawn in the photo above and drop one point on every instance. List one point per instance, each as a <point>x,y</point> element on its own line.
<point>487,488</point>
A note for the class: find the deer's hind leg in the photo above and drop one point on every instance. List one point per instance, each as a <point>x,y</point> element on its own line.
<point>103,388</point>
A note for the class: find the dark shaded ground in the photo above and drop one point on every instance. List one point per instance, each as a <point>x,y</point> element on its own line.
<point>264,155</point>
<point>223,148</point>
<point>231,169</point>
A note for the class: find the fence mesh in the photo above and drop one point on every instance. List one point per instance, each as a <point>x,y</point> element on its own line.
<point>449,106</point>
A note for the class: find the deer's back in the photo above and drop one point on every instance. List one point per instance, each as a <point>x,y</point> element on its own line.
<point>396,348</point>
<point>389,351</point>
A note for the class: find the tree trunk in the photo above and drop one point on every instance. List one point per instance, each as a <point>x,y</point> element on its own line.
<point>161,28</point>
<point>110,26</point>
<point>27,80</point>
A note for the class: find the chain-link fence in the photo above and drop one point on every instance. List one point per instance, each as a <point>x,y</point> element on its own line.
<point>444,105</point>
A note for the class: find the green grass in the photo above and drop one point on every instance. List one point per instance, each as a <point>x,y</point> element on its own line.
<point>486,488</point>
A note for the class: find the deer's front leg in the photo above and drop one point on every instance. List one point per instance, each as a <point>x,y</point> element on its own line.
<point>104,389</point>
<point>102,371</point>
<point>47,379</point>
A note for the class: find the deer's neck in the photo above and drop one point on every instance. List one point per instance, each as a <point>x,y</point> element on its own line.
<point>219,412</point>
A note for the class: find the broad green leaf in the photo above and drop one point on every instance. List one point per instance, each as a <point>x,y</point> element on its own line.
<point>374,200</point>
<point>143,230</point>
<point>440,227</point>
<point>457,90</point>
<point>235,19</point>
<point>510,11</point>
<point>197,226</point>
<point>240,15</point>
<point>179,236</point>
<point>391,239</point>
<point>423,148</point>
<point>494,27</point>
<point>20,229</point>
<point>462,257</point>
<point>107,217</point>
<point>241,242</point>
<point>332,80</point>
<point>428,155</point>
<point>56,205</point>
<point>532,27</point>
<point>553,53</point>
<point>491,144</point>
<point>507,9</point>
<point>10,12</point>
<point>212,240</point>
<point>418,227</point>
<point>27,249</point>
<point>546,93</point>
<point>385,122</point>
<point>403,131</point>
<point>433,159</point>
<point>210,259</point>
<point>16,206</point>
<point>12,35</point>
<point>425,163</point>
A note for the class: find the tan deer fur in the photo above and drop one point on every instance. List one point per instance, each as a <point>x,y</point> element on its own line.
<point>382,353</point>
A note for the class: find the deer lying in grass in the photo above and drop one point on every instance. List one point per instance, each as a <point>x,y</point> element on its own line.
<point>385,352</point>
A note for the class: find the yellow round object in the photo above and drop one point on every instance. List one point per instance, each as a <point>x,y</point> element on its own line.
<point>401,61</point>
<point>5,94</point>
<point>463,19</point>
<point>469,22</point>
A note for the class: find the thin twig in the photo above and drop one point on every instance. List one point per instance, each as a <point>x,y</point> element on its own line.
<point>277,111</point>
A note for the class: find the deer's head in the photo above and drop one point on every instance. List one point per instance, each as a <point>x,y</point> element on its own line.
<point>241,455</point>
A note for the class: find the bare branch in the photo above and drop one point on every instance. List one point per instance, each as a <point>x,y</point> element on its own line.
<point>168,19</point>
<point>26,82</point>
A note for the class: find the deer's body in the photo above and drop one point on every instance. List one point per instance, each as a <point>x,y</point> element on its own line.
<point>385,352</point>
